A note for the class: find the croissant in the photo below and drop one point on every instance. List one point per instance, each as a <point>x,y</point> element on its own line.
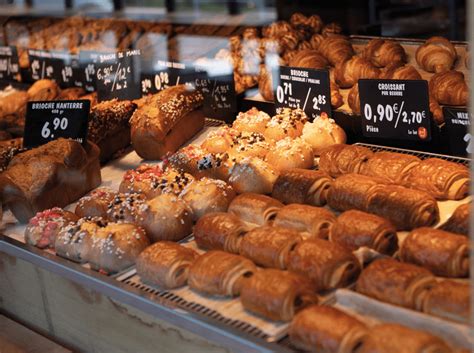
<point>165,264</point>
<point>437,54</point>
<point>304,186</point>
<point>381,52</point>
<point>219,231</point>
<point>448,300</point>
<point>397,72</point>
<point>277,295</point>
<point>443,253</point>
<point>449,88</point>
<point>265,84</point>
<point>336,97</point>
<point>314,221</point>
<point>316,41</point>
<point>255,208</point>
<point>436,110</point>
<point>442,179</point>
<point>394,338</point>
<point>331,29</point>
<point>394,282</point>
<point>348,73</point>
<point>341,159</point>
<point>353,99</point>
<point>310,59</point>
<point>325,329</point>
<point>336,49</point>
<point>459,220</point>
<point>327,265</point>
<point>354,229</point>
<point>219,273</point>
<point>389,166</point>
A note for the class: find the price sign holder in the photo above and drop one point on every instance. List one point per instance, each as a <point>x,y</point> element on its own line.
<point>303,88</point>
<point>458,123</point>
<point>9,66</point>
<point>118,75</point>
<point>55,65</point>
<point>166,74</point>
<point>395,109</point>
<point>50,120</point>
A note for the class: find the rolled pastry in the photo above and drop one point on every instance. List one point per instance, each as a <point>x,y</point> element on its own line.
<point>394,338</point>
<point>324,329</point>
<point>252,174</point>
<point>459,220</point>
<point>389,166</point>
<point>255,208</point>
<point>448,300</point>
<point>269,246</point>
<point>327,265</point>
<point>219,273</point>
<point>220,231</point>
<point>441,179</point>
<point>165,264</point>
<point>443,253</point>
<point>302,186</point>
<point>343,159</point>
<point>354,229</point>
<point>395,282</point>
<point>277,295</point>
<point>315,221</point>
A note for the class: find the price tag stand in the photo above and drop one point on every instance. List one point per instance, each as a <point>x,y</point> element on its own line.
<point>166,74</point>
<point>9,66</point>
<point>54,65</point>
<point>458,123</point>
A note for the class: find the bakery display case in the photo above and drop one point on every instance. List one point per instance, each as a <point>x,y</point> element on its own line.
<point>284,185</point>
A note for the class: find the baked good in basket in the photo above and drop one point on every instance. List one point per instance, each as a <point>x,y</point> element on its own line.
<point>437,54</point>
<point>255,208</point>
<point>165,264</point>
<point>54,174</point>
<point>277,295</point>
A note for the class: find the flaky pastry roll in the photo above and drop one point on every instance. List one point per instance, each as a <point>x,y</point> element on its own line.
<point>343,159</point>
<point>459,220</point>
<point>389,166</point>
<point>255,208</point>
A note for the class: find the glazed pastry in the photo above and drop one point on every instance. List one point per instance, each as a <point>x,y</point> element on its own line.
<point>327,265</point>
<point>255,208</point>
<point>113,247</point>
<point>290,153</point>
<point>252,175</point>
<point>309,58</point>
<point>313,221</point>
<point>348,73</point>
<point>448,300</point>
<point>277,295</point>
<point>442,179</point>
<point>220,140</point>
<point>220,231</point>
<point>397,72</point>
<point>381,52</point>
<point>323,132</point>
<point>389,166</point>
<point>220,273</point>
<point>165,217</point>
<point>252,120</point>
<point>437,54</point>
<point>287,123</point>
<point>337,49</point>
<point>353,99</point>
<point>125,207</point>
<point>43,90</point>
<point>449,88</point>
<point>207,195</point>
<point>95,204</point>
<point>169,119</point>
<point>302,186</point>
<point>395,282</point>
<point>459,220</point>
<point>165,264</point>
<point>269,246</point>
<point>394,338</point>
<point>44,227</point>
<point>443,253</point>
<point>324,329</point>
<point>354,229</point>
<point>343,159</point>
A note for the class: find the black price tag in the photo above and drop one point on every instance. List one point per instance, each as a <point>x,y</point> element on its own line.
<point>458,123</point>
<point>116,75</point>
<point>88,67</point>
<point>303,88</point>
<point>47,121</point>
<point>9,67</point>
<point>397,109</point>
<point>53,65</point>
<point>166,74</point>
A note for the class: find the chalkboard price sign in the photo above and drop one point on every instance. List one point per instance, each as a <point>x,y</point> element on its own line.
<point>9,67</point>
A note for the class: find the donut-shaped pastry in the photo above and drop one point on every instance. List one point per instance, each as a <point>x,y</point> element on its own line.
<point>323,132</point>
<point>207,195</point>
<point>287,123</point>
<point>166,217</point>
<point>95,204</point>
<point>43,228</point>
<point>252,175</point>
<point>289,153</point>
<point>253,120</point>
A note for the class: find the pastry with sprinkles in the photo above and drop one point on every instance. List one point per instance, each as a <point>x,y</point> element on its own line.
<point>290,153</point>
<point>252,120</point>
<point>220,140</point>
<point>95,204</point>
<point>287,123</point>
<point>254,175</point>
<point>250,144</point>
<point>124,207</point>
